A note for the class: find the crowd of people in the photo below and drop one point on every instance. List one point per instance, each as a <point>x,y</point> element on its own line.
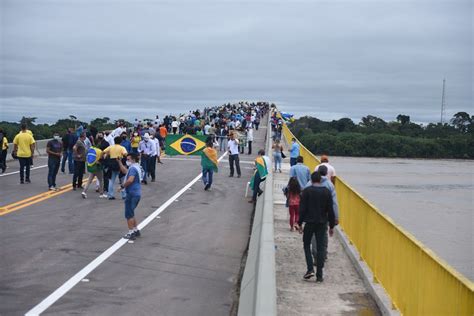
<point>125,158</point>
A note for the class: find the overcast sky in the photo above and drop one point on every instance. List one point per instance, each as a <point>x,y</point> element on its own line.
<point>329,59</point>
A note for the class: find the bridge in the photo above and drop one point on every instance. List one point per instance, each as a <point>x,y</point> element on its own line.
<point>208,253</point>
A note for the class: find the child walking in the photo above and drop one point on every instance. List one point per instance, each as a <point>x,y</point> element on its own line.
<point>294,192</point>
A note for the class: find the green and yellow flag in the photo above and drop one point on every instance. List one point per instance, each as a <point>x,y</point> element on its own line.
<point>185,144</point>
<point>261,169</point>
<point>209,159</point>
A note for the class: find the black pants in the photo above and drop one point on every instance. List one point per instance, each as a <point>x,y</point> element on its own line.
<point>151,166</point>
<point>79,168</point>
<point>317,229</point>
<point>3,160</point>
<point>24,168</point>
<point>232,159</point>
<point>250,147</point>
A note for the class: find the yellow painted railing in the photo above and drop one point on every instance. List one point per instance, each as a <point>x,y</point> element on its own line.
<point>417,281</point>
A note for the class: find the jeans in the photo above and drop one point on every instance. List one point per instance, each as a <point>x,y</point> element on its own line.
<point>292,161</point>
<point>319,230</point>
<point>131,202</point>
<point>277,160</point>
<point>53,168</point>
<point>207,176</point>
<point>314,246</point>
<point>250,147</point>
<point>110,191</point>
<point>222,143</point>
<point>144,163</point>
<point>256,186</point>
<point>232,159</point>
<point>67,155</point>
<point>79,167</point>
<point>24,168</point>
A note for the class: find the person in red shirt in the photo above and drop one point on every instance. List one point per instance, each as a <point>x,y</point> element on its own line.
<point>294,193</point>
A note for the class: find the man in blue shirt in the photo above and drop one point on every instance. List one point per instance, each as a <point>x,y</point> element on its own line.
<point>294,152</point>
<point>301,172</point>
<point>133,190</point>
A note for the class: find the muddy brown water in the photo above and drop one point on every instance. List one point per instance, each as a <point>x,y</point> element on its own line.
<point>431,199</point>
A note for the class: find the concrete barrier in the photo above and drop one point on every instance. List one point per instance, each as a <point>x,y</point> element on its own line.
<point>258,287</point>
<point>40,149</point>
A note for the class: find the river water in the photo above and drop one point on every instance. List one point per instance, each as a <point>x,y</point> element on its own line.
<point>432,199</point>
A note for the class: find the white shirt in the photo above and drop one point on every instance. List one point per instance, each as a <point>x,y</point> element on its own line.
<point>153,147</point>
<point>250,135</point>
<point>118,131</point>
<point>110,139</point>
<point>175,124</point>
<point>157,146</point>
<point>233,146</point>
<point>331,170</point>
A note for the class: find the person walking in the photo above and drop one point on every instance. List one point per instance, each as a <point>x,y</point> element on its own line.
<point>294,151</point>
<point>260,174</point>
<point>151,164</point>
<point>54,150</point>
<point>233,148</point>
<point>208,163</point>
<point>112,154</point>
<point>316,212</point>
<point>135,141</point>
<point>3,150</point>
<point>294,193</point>
<point>277,150</point>
<point>145,149</point>
<point>331,171</point>
<point>133,191</point>
<point>24,148</point>
<point>94,167</point>
<point>79,156</point>
<point>69,140</point>
<point>300,172</point>
<point>222,134</point>
<point>250,138</point>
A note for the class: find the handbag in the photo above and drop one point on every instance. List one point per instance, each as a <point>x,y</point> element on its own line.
<point>283,156</point>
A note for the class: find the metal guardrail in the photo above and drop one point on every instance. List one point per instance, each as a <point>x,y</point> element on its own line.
<point>417,280</point>
<point>258,285</point>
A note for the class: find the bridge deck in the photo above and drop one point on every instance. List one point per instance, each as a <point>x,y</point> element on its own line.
<point>186,263</point>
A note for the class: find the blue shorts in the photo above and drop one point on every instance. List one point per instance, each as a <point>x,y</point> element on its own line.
<point>131,203</point>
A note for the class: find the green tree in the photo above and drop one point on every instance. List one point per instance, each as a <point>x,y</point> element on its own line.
<point>461,121</point>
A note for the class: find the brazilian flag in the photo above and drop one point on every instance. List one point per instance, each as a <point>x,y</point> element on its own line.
<point>185,144</point>
<point>262,170</point>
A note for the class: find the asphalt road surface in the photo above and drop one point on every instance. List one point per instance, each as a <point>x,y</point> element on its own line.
<point>187,261</point>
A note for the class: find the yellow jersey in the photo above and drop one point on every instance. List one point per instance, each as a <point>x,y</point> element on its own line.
<point>135,141</point>
<point>24,140</point>
<point>115,151</point>
<point>5,143</point>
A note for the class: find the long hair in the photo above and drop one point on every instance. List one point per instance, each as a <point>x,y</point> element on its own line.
<point>294,186</point>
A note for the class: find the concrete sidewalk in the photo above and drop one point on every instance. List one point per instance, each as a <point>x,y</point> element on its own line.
<point>342,292</point>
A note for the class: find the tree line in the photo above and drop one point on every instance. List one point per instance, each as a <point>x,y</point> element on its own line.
<point>374,137</point>
<point>45,131</point>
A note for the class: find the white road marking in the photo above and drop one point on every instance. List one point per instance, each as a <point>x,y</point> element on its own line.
<point>69,284</point>
<point>15,172</point>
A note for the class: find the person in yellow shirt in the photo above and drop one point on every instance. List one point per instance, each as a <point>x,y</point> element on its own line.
<point>3,151</point>
<point>135,140</point>
<point>112,153</point>
<point>24,148</point>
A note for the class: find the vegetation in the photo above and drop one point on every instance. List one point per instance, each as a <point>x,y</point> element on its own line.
<point>374,137</point>
<point>45,131</point>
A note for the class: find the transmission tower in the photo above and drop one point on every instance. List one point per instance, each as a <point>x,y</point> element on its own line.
<point>443,101</point>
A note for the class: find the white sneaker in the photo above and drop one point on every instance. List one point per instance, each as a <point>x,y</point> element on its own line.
<point>84,195</point>
<point>56,189</point>
<point>51,188</point>
<point>103,196</point>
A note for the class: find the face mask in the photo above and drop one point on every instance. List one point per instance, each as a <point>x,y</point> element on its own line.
<point>136,134</point>
<point>56,137</point>
<point>129,163</point>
